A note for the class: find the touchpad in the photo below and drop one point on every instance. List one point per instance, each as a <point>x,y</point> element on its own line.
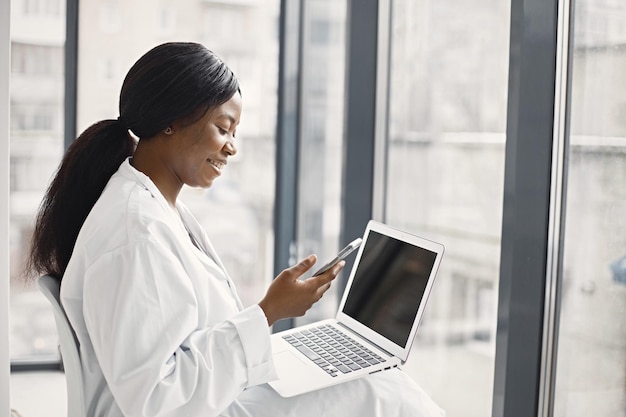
<point>287,364</point>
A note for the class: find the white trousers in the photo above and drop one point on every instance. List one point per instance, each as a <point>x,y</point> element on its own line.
<point>385,394</point>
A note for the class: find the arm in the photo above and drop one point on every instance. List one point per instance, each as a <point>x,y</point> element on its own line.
<point>141,311</point>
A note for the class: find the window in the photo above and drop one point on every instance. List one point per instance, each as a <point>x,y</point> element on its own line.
<point>320,31</point>
<point>164,21</point>
<point>36,137</point>
<point>40,60</point>
<point>321,133</point>
<point>109,72</point>
<point>109,16</point>
<point>225,24</point>
<point>591,355</point>
<point>50,8</point>
<point>444,181</point>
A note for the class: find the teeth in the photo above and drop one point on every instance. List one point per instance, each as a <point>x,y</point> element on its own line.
<point>216,164</point>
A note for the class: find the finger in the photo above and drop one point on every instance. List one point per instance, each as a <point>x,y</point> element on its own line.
<point>304,265</point>
<point>321,290</point>
<point>319,280</point>
<point>327,276</point>
<point>338,267</point>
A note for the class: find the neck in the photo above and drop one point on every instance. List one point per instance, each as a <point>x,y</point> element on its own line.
<point>147,159</point>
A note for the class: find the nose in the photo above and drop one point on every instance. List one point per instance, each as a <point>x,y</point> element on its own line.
<point>230,148</point>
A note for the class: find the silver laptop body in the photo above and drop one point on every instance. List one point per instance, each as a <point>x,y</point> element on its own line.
<point>384,300</point>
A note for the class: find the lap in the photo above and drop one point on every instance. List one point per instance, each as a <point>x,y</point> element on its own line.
<point>386,394</point>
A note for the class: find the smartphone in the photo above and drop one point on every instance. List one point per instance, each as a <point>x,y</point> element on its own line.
<point>340,256</point>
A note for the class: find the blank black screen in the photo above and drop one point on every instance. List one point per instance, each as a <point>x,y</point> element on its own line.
<point>388,286</point>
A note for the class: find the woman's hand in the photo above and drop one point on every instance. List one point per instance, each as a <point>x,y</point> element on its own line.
<point>288,296</point>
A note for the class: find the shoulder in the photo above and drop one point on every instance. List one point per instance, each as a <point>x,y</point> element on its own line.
<point>127,212</point>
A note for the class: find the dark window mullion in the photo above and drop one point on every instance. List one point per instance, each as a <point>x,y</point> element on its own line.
<point>71,71</point>
<point>287,139</point>
<point>360,120</point>
<point>526,207</point>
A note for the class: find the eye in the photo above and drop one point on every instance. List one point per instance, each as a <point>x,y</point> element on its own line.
<point>222,130</point>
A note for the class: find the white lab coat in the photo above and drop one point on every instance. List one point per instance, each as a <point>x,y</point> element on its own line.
<point>163,333</point>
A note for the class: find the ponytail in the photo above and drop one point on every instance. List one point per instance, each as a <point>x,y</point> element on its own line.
<point>85,170</point>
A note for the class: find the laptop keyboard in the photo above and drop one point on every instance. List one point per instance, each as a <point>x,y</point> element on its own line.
<point>332,350</point>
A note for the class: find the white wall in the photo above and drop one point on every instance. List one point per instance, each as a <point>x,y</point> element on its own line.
<point>5,42</point>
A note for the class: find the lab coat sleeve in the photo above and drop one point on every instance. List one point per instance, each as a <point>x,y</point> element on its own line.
<point>141,312</point>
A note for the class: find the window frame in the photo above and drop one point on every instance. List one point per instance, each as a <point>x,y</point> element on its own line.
<point>5,71</point>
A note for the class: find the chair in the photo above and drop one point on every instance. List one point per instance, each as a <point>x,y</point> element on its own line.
<point>68,346</point>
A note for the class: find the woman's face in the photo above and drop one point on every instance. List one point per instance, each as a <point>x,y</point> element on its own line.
<point>201,150</point>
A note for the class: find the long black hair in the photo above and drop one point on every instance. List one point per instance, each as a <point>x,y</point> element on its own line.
<point>177,81</point>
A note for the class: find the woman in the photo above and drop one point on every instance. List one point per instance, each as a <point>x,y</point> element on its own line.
<point>162,331</point>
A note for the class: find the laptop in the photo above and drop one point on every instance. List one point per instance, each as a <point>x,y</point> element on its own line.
<point>380,310</point>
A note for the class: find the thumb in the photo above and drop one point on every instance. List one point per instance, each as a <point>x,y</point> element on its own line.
<point>304,265</point>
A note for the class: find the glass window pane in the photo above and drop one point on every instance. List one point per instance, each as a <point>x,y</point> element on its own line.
<point>37,94</point>
<point>237,210</point>
<point>321,133</point>
<point>591,361</point>
<point>444,181</point>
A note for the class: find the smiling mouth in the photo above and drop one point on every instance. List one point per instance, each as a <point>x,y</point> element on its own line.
<point>217,164</point>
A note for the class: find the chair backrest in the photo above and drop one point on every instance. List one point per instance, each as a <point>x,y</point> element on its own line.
<point>68,345</point>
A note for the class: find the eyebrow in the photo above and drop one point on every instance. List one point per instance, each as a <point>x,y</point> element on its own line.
<point>227,116</point>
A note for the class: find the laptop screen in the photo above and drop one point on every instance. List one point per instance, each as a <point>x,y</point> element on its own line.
<point>388,286</point>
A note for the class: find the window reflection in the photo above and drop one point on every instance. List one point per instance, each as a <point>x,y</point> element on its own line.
<point>444,181</point>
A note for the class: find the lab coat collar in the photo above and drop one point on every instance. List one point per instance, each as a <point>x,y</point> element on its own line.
<point>184,218</point>
<point>181,214</point>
